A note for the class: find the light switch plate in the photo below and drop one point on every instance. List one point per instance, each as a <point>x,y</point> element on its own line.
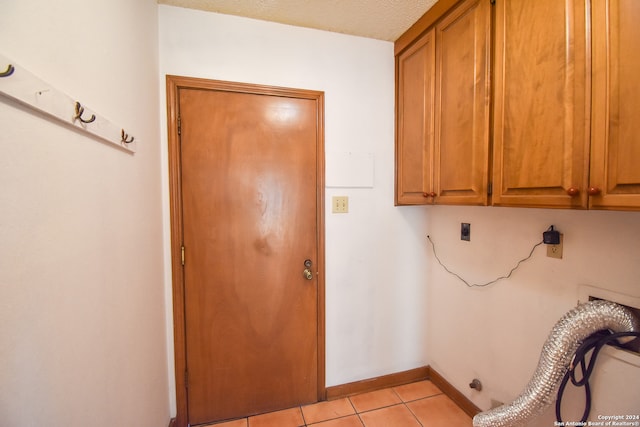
<point>340,204</point>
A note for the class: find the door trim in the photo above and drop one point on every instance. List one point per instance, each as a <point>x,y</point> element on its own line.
<point>174,84</point>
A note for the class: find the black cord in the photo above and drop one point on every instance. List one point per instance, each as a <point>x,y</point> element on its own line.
<point>593,343</point>
<point>433,246</point>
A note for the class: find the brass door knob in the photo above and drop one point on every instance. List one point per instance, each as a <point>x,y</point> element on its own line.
<point>307,274</point>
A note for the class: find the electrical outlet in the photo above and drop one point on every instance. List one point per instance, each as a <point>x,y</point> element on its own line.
<point>555,251</point>
<point>340,204</point>
<point>465,231</point>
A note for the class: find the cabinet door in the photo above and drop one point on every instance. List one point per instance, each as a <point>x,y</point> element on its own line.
<point>414,122</point>
<point>541,138</point>
<point>461,165</point>
<point>615,161</point>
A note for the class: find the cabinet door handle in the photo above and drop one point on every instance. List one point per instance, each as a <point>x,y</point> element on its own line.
<point>594,191</point>
<point>431,194</point>
<point>573,191</point>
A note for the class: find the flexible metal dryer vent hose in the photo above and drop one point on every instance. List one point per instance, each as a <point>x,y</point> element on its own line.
<point>557,352</point>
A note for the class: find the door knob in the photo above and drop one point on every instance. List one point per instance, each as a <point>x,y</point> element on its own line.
<point>307,274</point>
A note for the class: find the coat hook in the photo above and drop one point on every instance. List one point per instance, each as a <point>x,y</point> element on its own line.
<point>80,111</point>
<point>125,137</point>
<point>10,69</point>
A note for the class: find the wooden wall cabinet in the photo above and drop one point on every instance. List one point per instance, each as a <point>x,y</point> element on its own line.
<point>566,110</point>
<point>566,99</point>
<point>443,105</point>
<point>541,99</point>
<point>415,110</point>
<point>615,137</point>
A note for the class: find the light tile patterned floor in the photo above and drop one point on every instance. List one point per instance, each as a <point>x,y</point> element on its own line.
<point>419,404</point>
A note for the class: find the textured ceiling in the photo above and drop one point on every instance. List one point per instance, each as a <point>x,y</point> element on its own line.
<point>377,19</point>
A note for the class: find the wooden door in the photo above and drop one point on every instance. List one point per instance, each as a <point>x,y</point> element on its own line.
<point>461,157</point>
<point>415,77</point>
<point>541,126</point>
<point>250,181</point>
<point>615,160</point>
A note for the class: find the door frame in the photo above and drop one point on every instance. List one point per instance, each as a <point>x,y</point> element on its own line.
<point>174,84</point>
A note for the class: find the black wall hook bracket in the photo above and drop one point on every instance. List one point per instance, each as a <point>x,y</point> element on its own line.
<point>6,73</point>
<point>125,137</point>
<point>80,112</point>
<point>10,69</point>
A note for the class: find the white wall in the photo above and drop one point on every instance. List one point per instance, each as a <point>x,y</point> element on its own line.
<point>81,276</point>
<point>390,306</point>
<point>496,333</point>
<point>375,254</point>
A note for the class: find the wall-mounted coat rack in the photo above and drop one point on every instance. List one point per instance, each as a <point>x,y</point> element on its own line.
<point>24,87</point>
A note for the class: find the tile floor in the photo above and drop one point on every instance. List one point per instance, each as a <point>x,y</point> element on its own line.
<point>419,404</point>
